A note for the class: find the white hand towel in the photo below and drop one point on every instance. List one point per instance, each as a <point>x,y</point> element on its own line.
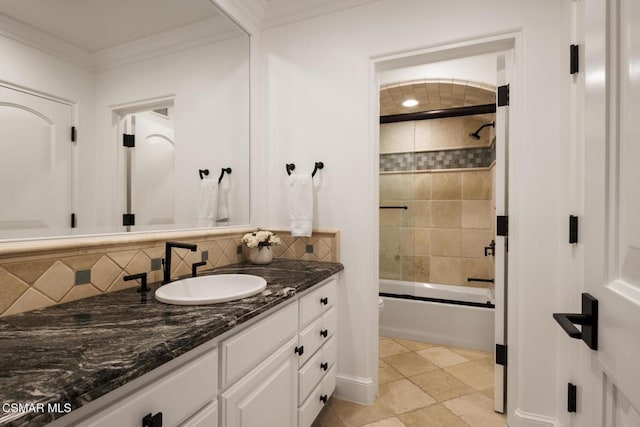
<point>223,199</point>
<point>300,192</point>
<point>207,202</point>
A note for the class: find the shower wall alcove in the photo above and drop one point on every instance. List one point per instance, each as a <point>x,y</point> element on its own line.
<point>437,183</point>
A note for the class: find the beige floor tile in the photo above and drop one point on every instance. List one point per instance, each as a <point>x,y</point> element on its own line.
<point>476,409</point>
<point>441,385</point>
<point>352,414</point>
<point>413,345</point>
<point>386,373</point>
<point>476,374</point>
<point>404,396</point>
<point>389,347</point>
<point>432,416</point>
<point>471,354</point>
<point>328,417</point>
<point>389,422</point>
<point>410,364</point>
<point>489,392</point>
<point>442,356</point>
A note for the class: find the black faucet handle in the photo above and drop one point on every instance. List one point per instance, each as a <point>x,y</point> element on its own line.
<point>143,281</point>
<point>194,267</point>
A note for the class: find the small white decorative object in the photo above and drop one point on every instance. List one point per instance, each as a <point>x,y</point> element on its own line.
<point>259,243</point>
<point>260,255</point>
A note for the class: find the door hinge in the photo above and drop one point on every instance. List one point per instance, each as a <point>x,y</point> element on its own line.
<point>573,229</point>
<point>572,398</point>
<point>501,354</point>
<point>128,219</point>
<point>503,95</point>
<point>128,140</point>
<point>73,220</point>
<point>574,59</point>
<point>502,225</point>
<point>74,134</point>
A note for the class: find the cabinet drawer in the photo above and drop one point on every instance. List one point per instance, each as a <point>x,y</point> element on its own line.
<point>206,417</point>
<point>316,368</point>
<point>178,396</point>
<point>317,334</point>
<point>317,302</point>
<point>311,408</point>
<point>243,351</point>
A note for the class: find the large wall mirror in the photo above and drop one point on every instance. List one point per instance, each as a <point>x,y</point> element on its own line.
<point>121,115</point>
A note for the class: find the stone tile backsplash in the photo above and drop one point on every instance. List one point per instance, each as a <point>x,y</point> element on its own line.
<point>42,278</point>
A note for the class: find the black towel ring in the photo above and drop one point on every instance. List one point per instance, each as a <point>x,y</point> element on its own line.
<point>318,166</point>
<point>290,167</point>
<point>227,170</point>
<point>203,173</point>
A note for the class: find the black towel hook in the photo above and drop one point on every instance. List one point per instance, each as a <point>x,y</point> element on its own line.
<point>227,170</point>
<point>318,166</point>
<point>290,167</point>
<point>203,173</point>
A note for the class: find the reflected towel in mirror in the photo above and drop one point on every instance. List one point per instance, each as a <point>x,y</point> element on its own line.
<point>207,202</point>
<point>223,199</point>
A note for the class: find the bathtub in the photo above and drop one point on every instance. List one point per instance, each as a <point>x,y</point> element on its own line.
<point>441,314</point>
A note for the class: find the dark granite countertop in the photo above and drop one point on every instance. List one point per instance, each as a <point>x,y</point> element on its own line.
<point>76,352</point>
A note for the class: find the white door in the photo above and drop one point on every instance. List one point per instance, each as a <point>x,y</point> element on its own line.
<point>153,172</point>
<point>501,209</point>
<point>609,387</point>
<point>35,165</point>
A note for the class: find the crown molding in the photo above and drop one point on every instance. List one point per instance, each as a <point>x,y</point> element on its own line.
<point>282,12</point>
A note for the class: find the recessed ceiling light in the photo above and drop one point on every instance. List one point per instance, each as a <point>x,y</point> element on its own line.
<point>410,103</point>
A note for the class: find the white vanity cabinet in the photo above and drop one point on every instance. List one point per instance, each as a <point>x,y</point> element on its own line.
<point>279,371</point>
<point>289,386</point>
<point>179,395</point>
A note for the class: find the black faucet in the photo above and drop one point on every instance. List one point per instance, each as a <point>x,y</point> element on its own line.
<point>167,257</point>
<point>194,267</point>
<point>143,281</point>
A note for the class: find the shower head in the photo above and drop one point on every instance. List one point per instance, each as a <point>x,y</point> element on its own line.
<point>476,135</point>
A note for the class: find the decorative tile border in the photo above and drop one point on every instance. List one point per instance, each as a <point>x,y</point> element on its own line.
<point>55,272</point>
<point>442,159</point>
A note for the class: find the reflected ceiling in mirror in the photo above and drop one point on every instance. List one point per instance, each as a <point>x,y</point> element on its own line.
<point>109,111</point>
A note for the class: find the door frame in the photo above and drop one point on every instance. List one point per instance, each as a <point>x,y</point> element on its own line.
<point>493,44</point>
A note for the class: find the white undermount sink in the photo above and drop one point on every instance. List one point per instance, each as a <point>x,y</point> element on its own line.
<point>205,290</point>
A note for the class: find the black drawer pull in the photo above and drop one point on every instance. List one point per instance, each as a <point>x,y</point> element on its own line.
<point>324,301</point>
<point>299,350</point>
<point>324,398</point>
<point>324,366</point>
<point>324,332</point>
<point>152,421</point>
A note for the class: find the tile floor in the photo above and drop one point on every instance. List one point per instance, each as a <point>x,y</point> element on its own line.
<point>423,385</point>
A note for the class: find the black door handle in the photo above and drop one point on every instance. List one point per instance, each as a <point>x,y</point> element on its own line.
<point>588,319</point>
<point>152,421</point>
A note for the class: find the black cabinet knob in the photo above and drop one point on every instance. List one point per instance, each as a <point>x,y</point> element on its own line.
<point>324,366</point>
<point>324,301</point>
<point>324,398</point>
<point>152,421</point>
<point>299,350</point>
<point>324,332</point>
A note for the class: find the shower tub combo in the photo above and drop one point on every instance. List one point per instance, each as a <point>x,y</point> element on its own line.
<point>442,314</point>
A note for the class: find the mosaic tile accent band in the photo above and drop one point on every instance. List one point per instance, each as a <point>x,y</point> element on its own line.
<point>443,159</point>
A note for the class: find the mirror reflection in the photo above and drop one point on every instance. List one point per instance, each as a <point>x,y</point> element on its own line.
<point>110,110</point>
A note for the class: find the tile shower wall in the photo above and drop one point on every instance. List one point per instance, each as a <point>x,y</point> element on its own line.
<point>440,237</point>
<point>37,280</point>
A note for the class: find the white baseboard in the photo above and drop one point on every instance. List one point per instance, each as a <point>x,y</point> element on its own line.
<point>355,389</point>
<point>526,419</point>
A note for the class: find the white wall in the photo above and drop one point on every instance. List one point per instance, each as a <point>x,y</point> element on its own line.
<point>318,81</point>
<point>478,69</point>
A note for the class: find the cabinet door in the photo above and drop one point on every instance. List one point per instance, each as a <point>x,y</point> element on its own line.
<point>266,396</point>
